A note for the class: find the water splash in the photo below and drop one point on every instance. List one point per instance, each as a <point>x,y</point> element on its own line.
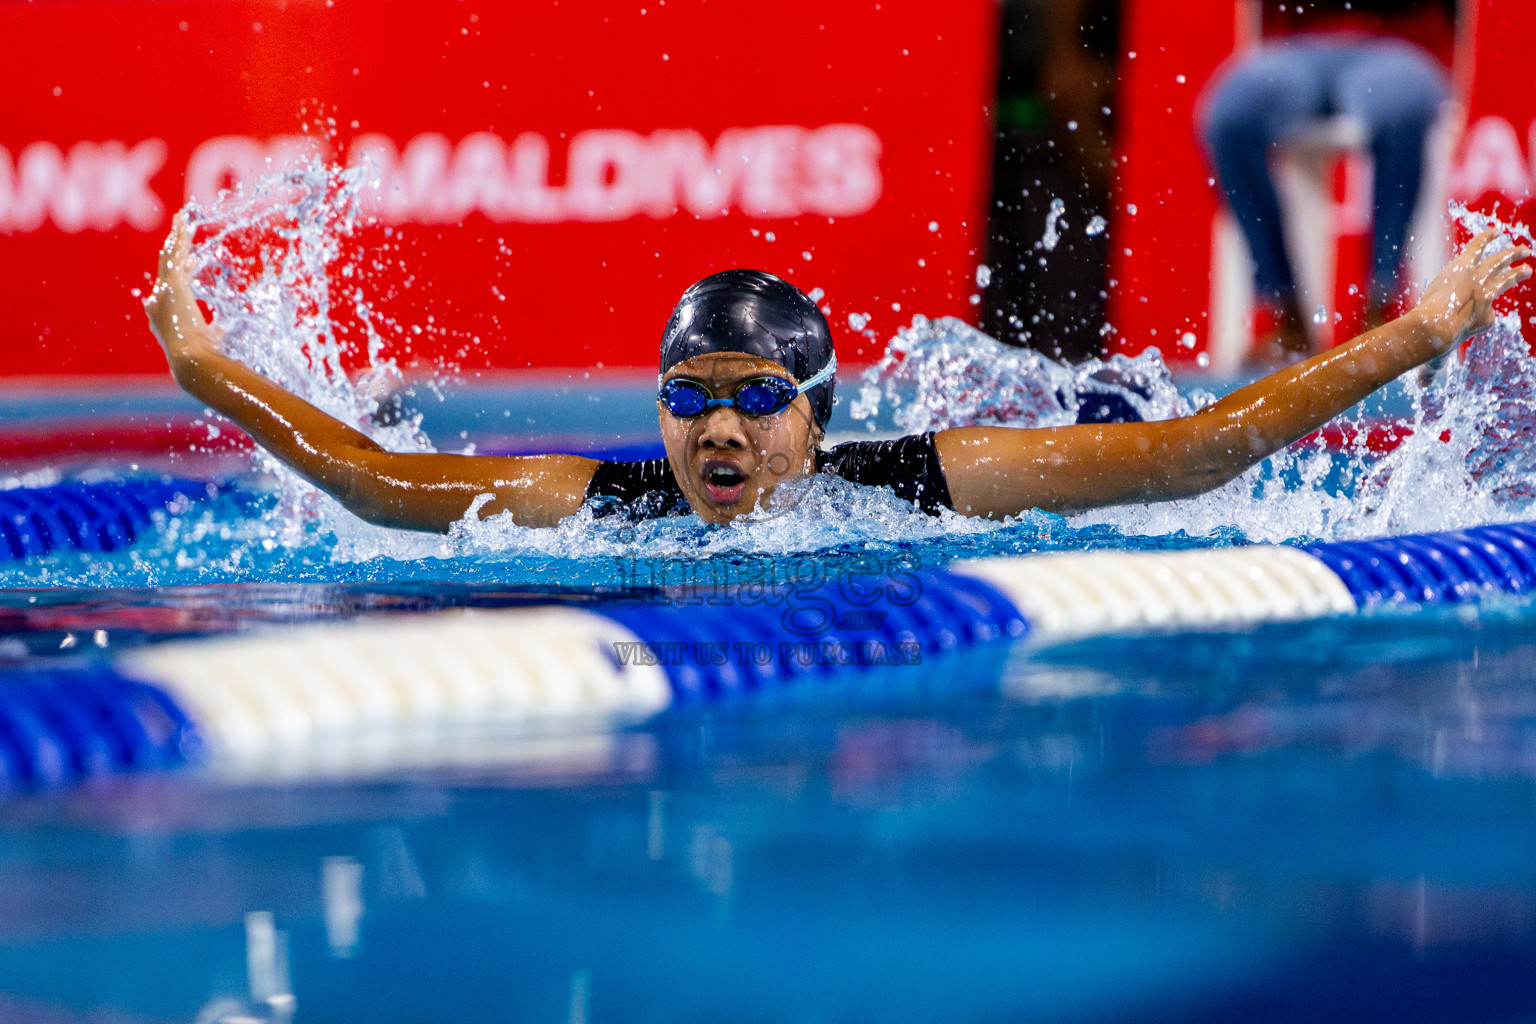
<point>829,513</point>
<point>938,374</point>
<point>285,287</point>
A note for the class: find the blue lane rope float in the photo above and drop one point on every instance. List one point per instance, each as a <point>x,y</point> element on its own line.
<point>94,517</point>
<point>394,690</point>
<point>714,652</point>
<point>1437,568</point>
<point>59,726</point>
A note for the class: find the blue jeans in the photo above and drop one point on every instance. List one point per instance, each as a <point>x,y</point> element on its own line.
<point>1254,103</point>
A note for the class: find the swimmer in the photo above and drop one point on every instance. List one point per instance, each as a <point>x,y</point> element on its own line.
<point>745,393</point>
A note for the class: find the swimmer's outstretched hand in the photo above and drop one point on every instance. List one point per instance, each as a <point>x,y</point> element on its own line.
<point>1459,302</point>
<point>173,313</point>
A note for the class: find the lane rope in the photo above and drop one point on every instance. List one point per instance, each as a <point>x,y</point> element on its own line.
<point>392,690</point>
<point>95,517</point>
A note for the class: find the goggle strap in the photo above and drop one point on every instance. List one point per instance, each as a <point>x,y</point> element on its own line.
<point>821,376</point>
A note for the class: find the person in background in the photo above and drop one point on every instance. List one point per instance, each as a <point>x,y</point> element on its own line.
<point>1362,58</point>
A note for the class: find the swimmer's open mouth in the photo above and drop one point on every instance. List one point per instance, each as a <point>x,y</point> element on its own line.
<point>723,481</point>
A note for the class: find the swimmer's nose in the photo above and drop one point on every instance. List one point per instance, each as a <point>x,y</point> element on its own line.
<point>722,429</point>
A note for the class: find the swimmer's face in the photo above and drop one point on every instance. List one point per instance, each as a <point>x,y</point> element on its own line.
<point>725,461</point>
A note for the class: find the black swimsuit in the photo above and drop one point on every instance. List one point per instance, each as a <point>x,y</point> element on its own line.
<point>909,466</point>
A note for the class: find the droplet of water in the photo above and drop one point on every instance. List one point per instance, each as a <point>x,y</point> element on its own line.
<point>933,225</point>
<point>983,275</point>
<point>1203,360</point>
<point>858,321</point>
<point>1095,226</point>
<point>1187,339</point>
<point>1320,315</point>
<point>1053,225</point>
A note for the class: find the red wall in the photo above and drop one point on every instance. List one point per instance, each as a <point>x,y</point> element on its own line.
<point>1495,165</point>
<point>856,134</point>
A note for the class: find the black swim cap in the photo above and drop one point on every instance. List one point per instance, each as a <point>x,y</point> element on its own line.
<point>758,314</point>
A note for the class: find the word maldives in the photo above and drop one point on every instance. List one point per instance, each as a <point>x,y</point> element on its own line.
<point>801,653</point>
<point>772,171</point>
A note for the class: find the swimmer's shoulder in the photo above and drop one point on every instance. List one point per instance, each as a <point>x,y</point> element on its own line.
<point>642,488</point>
<point>909,466</point>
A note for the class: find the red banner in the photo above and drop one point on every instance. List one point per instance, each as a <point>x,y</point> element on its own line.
<point>553,174</point>
<point>1495,166</point>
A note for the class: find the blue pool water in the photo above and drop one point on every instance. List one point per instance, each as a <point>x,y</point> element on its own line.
<point>1328,821</point>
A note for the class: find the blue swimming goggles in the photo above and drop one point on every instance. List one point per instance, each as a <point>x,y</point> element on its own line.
<point>755,396</point>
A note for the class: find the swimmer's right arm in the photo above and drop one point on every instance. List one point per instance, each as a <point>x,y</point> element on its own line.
<point>403,490</point>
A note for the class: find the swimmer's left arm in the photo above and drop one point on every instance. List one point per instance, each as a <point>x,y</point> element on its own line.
<point>998,471</point>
